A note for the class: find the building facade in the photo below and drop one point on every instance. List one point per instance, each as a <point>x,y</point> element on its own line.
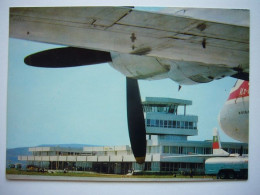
<point>168,148</point>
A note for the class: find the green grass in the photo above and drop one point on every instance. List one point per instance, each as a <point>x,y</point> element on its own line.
<point>91,174</point>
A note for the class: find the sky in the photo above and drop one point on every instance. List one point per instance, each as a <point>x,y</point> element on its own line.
<point>87,105</point>
<point>28,135</point>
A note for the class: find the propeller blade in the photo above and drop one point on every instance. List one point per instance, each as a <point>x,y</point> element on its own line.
<point>241,151</point>
<point>136,123</point>
<point>67,57</point>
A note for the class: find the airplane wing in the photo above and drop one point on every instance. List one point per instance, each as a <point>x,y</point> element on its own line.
<point>129,31</point>
<point>140,44</point>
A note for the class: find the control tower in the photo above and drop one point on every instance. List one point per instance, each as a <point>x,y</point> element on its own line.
<point>167,118</point>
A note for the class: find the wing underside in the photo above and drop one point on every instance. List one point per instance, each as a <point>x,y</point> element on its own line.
<point>124,30</point>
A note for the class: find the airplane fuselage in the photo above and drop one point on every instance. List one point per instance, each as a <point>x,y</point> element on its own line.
<point>234,116</point>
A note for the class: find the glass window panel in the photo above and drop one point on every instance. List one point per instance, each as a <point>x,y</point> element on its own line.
<point>174,124</point>
<point>166,149</point>
<point>157,123</point>
<point>152,122</point>
<point>186,125</point>
<point>174,149</point>
<point>190,125</point>
<point>199,150</point>
<point>161,123</point>
<point>190,150</point>
<point>178,124</point>
<point>164,123</point>
<point>195,125</point>
<point>208,151</point>
<point>148,122</point>
<point>170,124</point>
<point>182,124</point>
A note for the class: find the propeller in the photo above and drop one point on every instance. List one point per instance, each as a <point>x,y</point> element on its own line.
<point>241,151</point>
<point>67,57</point>
<point>136,123</point>
<point>70,57</point>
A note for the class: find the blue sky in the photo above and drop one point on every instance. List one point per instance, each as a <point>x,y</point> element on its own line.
<point>18,136</point>
<point>87,105</point>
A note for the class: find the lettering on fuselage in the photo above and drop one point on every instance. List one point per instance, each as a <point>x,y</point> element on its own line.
<point>243,92</point>
<point>244,112</point>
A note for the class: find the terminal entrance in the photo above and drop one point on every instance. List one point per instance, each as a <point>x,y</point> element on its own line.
<point>112,167</point>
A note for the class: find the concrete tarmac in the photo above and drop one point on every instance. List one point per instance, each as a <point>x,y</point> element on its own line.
<point>104,179</point>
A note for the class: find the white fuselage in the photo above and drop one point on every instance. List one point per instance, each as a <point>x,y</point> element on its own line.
<point>234,116</point>
<point>234,119</point>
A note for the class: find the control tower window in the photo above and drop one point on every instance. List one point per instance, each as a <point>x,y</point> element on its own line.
<point>157,123</point>
<point>194,125</point>
<point>161,123</point>
<point>152,123</point>
<point>148,123</point>
<point>182,124</point>
<point>160,109</point>
<point>186,125</point>
<point>165,124</point>
<point>178,124</point>
<point>172,109</point>
<point>174,124</point>
<point>190,125</point>
<point>169,124</point>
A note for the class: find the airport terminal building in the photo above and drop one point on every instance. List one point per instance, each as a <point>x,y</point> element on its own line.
<point>168,149</point>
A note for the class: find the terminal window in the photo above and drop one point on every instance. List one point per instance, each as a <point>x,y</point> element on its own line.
<point>171,124</point>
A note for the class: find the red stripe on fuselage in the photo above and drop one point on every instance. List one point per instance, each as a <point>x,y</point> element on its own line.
<point>242,91</point>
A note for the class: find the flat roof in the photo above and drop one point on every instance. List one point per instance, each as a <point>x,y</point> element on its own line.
<point>55,149</point>
<point>165,101</point>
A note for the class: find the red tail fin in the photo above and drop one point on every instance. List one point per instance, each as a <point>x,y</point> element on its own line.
<point>216,142</point>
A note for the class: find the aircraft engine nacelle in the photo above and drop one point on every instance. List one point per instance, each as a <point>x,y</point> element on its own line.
<point>150,68</point>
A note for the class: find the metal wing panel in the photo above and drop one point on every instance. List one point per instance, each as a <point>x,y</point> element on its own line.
<point>123,30</point>
<point>185,25</point>
<point>102,16</point>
